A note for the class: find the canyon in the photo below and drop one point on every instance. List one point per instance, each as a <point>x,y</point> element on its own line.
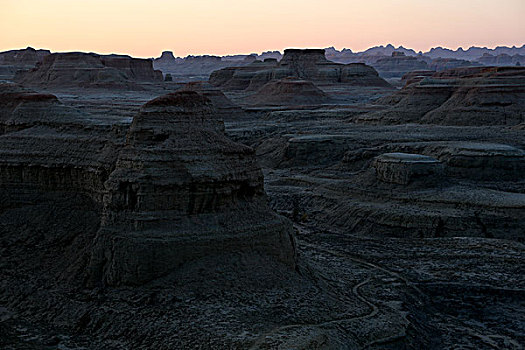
<point>262,201</point>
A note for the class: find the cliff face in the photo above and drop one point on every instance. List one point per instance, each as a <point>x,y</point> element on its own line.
<point>89,70</point>
<point>288,92</point>
<point>15,60</point>
<point>309,64</point>
<point>171,190</point>
<point>462,96</point>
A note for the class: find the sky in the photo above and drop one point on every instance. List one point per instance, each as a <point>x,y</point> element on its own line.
<point>145,28</point>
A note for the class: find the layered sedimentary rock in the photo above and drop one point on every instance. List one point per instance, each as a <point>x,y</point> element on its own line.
<point>15,60</point>
<point>89,70</point>
<point>171,190</point>
<point>403,168</point>
<point>398,65</point>
<point>288,91</point>
<point>309,64</point>
<point>483,161</point>
<point>180,191</point>
<point>21,108</point>
<point>501,60</point>
<point>441,64</point>
<point>226,109</point>
<point>463,96</point>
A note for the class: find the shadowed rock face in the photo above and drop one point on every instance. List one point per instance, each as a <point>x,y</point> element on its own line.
<point>402,168</point>
<point>225,108</point>
<point>462,96</point>
<point>288,91</point>
<point>22,108</point>
<point>172,190</point>
<point>15,60</point>
<point>181,190</point>
<point>309,64</point>
<point>89,70</point>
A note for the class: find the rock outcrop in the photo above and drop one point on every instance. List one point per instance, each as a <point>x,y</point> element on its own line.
<point>192,68</point>
<point>403,168</point>
<point>442,64</point>
<point>398,65</point>
<point>171,190</point>
<point>462,96</point>
<point>77,69</point>
<point>15,60</point>
<point>226,109</point>
<point>288,91</point>
<point>22,108</point>
<point>501,60</point>
<point>309,64</point>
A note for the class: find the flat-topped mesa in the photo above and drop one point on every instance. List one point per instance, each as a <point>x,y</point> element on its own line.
<point>404,168</point>
<point>483,161</point>
<point>89,70</point>
<point>19,60</point>
<point>292,56</point>
<point>180,191</point>
<point>23,57</point>
<point>307,64</point>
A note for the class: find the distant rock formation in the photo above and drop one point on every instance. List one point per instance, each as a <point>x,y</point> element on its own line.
<point>398,65</point>
<point>15,60</point>
<point>89,70</point>
<point>308,64</point>
<point>473,53</point>
<point>171,190</point>
<point>193,68</point>
<point>27,57</point>
<point>288,91</point>
<point>462,96</point>
<point>441,64</point>
<point>501,60</point>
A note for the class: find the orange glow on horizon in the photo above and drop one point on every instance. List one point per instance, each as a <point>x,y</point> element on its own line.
<point>137,28</point>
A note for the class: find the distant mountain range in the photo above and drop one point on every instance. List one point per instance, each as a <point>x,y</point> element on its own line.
<point>473,53</point>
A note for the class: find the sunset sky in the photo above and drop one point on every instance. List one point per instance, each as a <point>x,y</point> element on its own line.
<point>144,28</point>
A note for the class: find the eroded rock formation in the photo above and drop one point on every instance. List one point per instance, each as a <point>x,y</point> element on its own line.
<point>462,96</point>
<point>226,109</point>
<point>309,64</point>
<point>89,70</point>
<point>181,191</point>
<point>15,60</point>
<point>288,91</point>
<point>398,65</point>
<point>171,190</point>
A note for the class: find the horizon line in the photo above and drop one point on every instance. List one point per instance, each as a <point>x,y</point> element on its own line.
<point>464,48</point>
